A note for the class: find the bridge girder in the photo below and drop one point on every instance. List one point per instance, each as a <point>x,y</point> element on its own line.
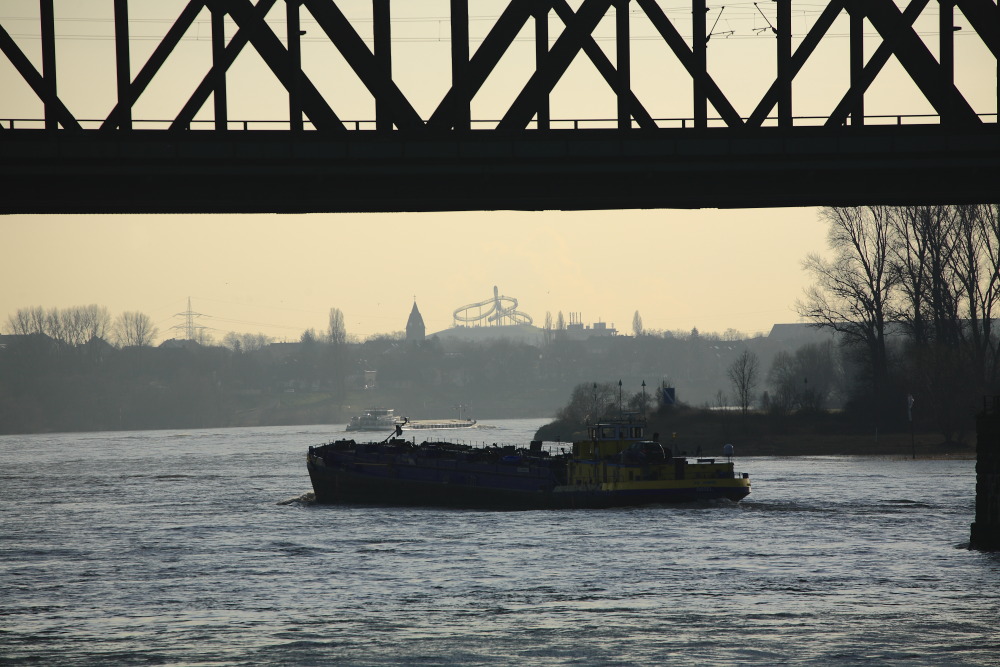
<point>259,171</point>
<point>441,163</point>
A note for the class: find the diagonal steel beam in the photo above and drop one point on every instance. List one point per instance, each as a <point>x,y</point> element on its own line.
<point>277,58</point>
<point>802,53</point>
<point>541,83</point>
<point>364,63</point>
<point>207,85</point>
<point>919,63</point>
<point>604,66</point>
<point>889,46</point>
<point>253,29</point>
<point>501,36</point>
<point>38,84</point>
<point>984,16</point>
<point>155,62</point>
<point>686,58</point>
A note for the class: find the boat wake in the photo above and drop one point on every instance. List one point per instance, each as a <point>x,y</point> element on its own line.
<point>305,499</point>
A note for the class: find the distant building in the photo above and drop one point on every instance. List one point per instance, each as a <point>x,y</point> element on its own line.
<point>521,333</point>
<point>415,329</point>
<point>577,330</point>
<point>528,333</point>
<point>179,344</point>
<point>799,333</point>
<point>13,340</point>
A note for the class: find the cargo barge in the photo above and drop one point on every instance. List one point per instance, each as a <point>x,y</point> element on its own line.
<point>616,466</point>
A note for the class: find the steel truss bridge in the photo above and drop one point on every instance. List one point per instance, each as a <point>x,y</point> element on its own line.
<point>317,161</point>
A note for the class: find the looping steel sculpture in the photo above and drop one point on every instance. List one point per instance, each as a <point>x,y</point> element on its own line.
<point>502,311</point>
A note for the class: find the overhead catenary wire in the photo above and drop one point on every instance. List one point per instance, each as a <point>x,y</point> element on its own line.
<point>738,16</point>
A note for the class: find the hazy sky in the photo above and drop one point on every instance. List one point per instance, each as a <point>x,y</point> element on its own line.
<point>281,274</point>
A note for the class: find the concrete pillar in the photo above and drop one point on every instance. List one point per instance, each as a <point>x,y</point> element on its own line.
<point>986,528</point>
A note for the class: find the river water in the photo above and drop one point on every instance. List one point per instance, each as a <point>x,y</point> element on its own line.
<point>201,548</point>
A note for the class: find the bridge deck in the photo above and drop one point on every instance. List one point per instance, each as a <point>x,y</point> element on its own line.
<point>283,171</point>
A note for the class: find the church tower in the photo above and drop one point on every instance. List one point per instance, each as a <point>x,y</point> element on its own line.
<point>415,325</point>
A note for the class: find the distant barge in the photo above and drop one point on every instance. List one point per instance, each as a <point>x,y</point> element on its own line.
<point>418,424</point>
<point>615,467</point>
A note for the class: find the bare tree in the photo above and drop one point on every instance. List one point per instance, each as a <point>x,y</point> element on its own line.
<point>336,333</point>
<point>922,248</point>
<point>590,402</point>
<point>75,325</point>
<point>948,258</point>
<point>977,272</point>
<point>732,335</point>
<point>26,321</point>
<point>853,290</point>
<point>246,342</point>
<point>88,322</point>
<point>743,374</point>
<point>637,324</point>
<point>55,325</point>
<point>803,380</point>
<point>134,329</point>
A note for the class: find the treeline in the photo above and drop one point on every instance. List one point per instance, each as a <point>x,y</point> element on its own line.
<point>78,325</point>
<point>912,292</point>
<point>53,384</point>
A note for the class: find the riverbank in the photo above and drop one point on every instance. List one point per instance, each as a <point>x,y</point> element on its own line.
<point>704,432</point>
<point>895,445</point>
